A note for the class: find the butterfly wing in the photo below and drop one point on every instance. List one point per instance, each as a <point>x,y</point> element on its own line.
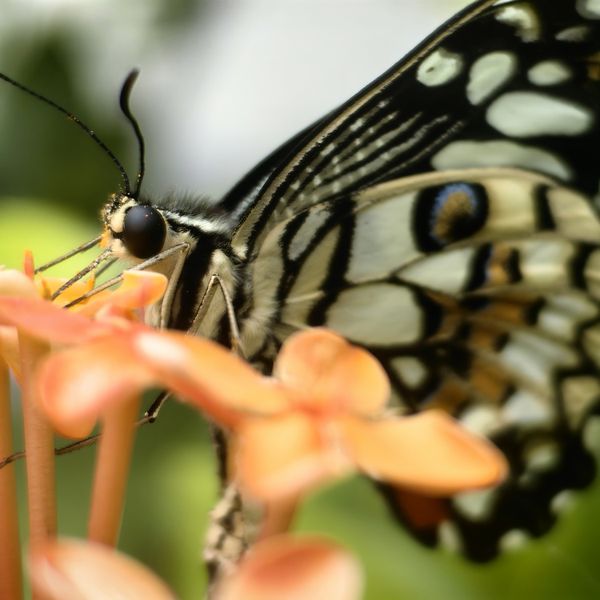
<point>476,288</point>
<point>511,84</point>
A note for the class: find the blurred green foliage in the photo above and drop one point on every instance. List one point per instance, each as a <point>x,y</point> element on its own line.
<point>44,155</point>
<point>52,184</point>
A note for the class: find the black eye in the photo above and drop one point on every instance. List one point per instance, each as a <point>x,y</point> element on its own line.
<point>144,231</point>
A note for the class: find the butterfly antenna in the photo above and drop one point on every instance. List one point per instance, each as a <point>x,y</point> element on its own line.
<point>124,102</point>
<point>79,123</point>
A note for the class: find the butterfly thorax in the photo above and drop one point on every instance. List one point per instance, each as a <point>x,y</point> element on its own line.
<point>187,240</point>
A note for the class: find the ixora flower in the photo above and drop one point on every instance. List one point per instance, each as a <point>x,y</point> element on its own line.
<point>24,308</point>
<point>280,567</point>
<point>323,414</point>
<point>30,325</point>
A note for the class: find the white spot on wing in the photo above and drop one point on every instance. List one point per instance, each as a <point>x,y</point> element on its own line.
<point>382,240</point>
<point>589,8</point>
<point>481,419</point>
<point>306,289</point>
<point>450,537</point>
<point>523,114</point>
<point>477,505</point>
<point>542,456</point>
<point>489,73</point>
<point>563,502</point>
<point>545,262</point>
<point>439,68</point>
<point>573,215</point>
<point>591,343</point>
<point>591,274</point>
<point>306,232</point>
<point>398,316</point>
<point>591,435</point>
<point>534,358</point>
<point>526,410</point>
<point>513,540</point>
<point>523,19</point>
<point>501,153</point>
<point>578,33</point>
<point>409,369</point>
<point>548,72</point>
<point>447,272</point>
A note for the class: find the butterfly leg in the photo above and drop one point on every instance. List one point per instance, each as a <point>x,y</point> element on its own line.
<point>234,335</point>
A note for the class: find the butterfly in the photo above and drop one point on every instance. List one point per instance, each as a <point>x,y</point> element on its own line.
<point>446,219</point>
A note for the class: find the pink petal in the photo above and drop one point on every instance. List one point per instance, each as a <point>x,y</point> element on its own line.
<point>209,376</point>
<point>428,453</point>
<point>78,385</point>
<point>329,372</point>
<point>282,567</point>
<point>282,456</point>
<point>46,286</point>
<point>42,320</point>
<point>21,307</point>
<point>87,571</point>
<point>137,290</point>
<point>15,283</point>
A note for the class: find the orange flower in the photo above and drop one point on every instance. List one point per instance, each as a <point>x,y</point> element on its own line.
<point>323,414</point>
<point>295,569</point>
<point>29,323</point>
<point>77,569</point>
<point>281,567</point>
<point>22,307</point>
<point>337,421</point>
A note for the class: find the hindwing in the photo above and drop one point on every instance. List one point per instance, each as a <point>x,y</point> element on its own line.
<point>478,292</point>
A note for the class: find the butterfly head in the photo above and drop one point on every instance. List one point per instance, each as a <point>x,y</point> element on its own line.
<point>133,227</point>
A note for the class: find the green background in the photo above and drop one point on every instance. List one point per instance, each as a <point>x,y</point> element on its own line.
<point>52,185</point>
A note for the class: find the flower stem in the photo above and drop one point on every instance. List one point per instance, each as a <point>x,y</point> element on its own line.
<point>10,553</point>
<point>39,448</point>
<point>278,517</point>
<point>112,468</point>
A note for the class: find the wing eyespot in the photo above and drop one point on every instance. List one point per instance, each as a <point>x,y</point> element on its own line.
<point>449,213</point>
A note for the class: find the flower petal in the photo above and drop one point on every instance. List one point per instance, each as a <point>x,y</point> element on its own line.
<point>15,283</point>
<point>42,320</point>
<point>209,376</point>
<point>21,307</point>
<point>330,372</point>
<point>46,286</point>
<point>294,569</point>
<point>428,453</point>
<point>282,456</point>
<point>137,290</point>
<point>87,571</point>
<point>78,385</point>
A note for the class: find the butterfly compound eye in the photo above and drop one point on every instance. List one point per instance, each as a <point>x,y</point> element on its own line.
<point>144,231</point>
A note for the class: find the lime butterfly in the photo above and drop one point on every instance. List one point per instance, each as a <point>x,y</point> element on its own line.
<point>445,218</point>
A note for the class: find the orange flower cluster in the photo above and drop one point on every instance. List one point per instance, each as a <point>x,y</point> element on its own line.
<point>322,415</point>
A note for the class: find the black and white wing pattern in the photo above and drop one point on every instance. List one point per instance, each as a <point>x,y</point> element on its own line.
<point>446,219</point>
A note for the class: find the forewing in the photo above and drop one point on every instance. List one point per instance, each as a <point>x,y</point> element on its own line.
<point>511,84</point>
